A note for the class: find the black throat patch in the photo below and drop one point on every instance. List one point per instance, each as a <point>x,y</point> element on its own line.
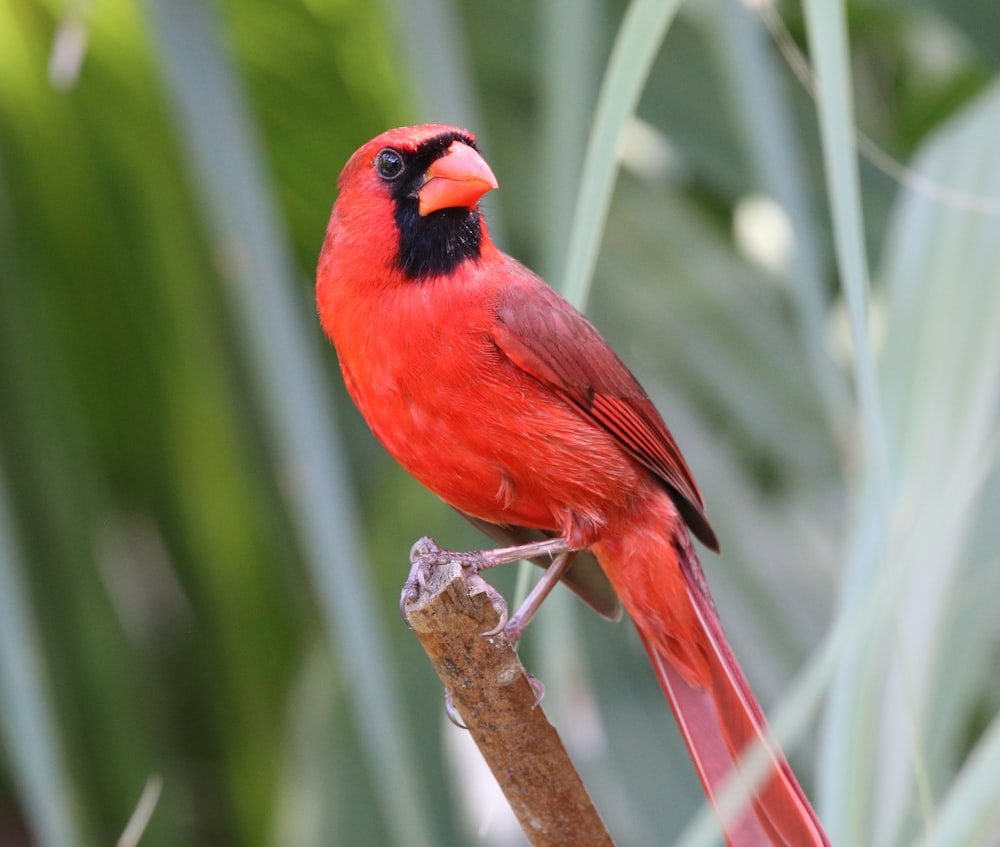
<point>437,243</point>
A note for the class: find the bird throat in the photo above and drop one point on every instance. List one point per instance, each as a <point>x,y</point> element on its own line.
<point>437,243</point>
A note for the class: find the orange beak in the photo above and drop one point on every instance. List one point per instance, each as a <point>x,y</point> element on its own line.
<point>458,179</point>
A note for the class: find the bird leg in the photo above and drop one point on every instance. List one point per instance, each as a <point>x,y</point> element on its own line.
<point>526,611</point>
<point>504,555</point>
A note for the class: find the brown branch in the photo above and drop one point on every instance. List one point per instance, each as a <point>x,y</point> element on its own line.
<point>449,607</point>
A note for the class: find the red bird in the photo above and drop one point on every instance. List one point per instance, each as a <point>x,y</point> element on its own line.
<point>506,402</point>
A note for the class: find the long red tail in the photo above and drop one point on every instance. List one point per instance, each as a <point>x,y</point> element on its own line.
<point>717,712</point>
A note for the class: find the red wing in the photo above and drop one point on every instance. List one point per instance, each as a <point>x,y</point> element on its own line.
<point>558,346</point>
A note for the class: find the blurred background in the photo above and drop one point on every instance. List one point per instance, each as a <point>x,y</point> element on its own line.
<point>202,546</point>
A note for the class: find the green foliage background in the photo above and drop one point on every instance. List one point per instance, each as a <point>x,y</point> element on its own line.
<point>201,545</point>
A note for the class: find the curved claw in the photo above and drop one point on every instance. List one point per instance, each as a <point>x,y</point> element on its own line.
<point>496,598</point>
<point>451,711</point>
<point>422,548</point>
<point>424,554</point>
<point>538,687</point>
<point>408,595</point>
<point>500,627</point>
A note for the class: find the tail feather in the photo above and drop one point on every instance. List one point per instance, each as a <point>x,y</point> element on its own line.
<point>779,813</point>
<point>722,722</point>
<point>664,591</point>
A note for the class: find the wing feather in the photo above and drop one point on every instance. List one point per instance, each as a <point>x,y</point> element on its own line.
<point>558,346</point>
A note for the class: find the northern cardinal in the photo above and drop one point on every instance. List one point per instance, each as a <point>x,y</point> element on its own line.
<point>506,402</point>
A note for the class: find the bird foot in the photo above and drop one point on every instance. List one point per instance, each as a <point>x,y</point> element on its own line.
<point>425,554</point>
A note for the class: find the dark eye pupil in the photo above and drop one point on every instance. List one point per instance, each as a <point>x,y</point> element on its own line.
<point>389,163</point>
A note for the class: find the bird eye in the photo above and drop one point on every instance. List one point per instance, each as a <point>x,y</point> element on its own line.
<point>389,163</point>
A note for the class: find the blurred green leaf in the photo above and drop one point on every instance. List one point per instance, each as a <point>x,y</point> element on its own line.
<point>28,730</point>
<point>940,384</point>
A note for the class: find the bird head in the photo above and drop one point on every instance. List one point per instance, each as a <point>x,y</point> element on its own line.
<point>417,189</point>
